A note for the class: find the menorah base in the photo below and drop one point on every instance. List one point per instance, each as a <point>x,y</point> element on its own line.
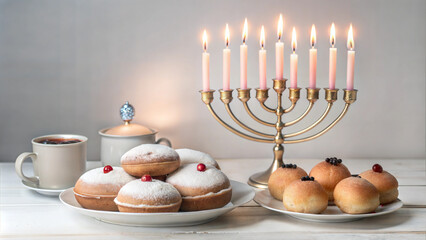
<point>260,179</point>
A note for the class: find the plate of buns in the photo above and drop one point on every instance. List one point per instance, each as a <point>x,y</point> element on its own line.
<point>156,186</point>
<point>330,193</point>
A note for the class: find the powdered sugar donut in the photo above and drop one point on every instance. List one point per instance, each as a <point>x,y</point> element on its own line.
<point>97,188</point>
<point>148,195</point>
<point>188,156</point>
<point>202,187</point>
<point>151,159</point>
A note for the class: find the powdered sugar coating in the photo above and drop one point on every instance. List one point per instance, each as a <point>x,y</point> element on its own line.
<point>189,176</point>
<point>149,153</point>
<point>151,191</point>
<point>116,177</point>
<point>208,194</point>
<point>188,156</point>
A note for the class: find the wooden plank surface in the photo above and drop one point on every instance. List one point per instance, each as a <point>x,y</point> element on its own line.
<point>25,214</point>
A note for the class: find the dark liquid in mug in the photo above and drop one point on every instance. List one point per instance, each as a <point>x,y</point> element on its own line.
<point>56,141</point>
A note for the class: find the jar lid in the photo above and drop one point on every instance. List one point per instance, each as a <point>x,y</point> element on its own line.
<point>127,112</point>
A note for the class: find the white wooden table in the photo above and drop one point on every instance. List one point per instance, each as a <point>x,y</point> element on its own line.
<point>25,214</point>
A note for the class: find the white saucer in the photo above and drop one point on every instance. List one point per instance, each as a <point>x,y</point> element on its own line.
<point>331,214</point>
<point>241,194</point>
<point>44,191</point>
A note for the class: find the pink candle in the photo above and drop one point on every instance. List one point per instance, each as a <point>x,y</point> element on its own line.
<point>243,58</point>
<point>351,61</point>
<point>205,65</point>
<point>293,61</point>
<point>332,59</point>
<point>262,60</point>
<point>226,61</point>
<point>279,51</point>
<point>313,61</point>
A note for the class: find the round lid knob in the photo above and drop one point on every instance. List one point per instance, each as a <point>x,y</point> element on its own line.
<point>127,112</point>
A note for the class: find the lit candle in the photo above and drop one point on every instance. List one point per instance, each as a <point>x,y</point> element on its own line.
<point>351,61</point>
<point>333,56</point>
<point>279,51</point>
<point>293,61</point>
<point>262,60</point>
<point>226,61</point>
<point>313,60</point>
<point>243,58</point>
<point>206,63</point>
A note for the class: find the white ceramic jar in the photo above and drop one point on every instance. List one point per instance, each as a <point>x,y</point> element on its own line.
<point>114,146</point>
<point>118,140</point>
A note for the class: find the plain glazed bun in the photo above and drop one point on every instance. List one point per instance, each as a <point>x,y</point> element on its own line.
<point>328,173</point>
<point>355,195</point>
<point>97,188</point>
<point>188,156</point>
<point>385,183</point>
<point>305,196</point>
<point>282,177</point>
<point>202,187</point>
<point>150,159</point>
<point>148,197</point>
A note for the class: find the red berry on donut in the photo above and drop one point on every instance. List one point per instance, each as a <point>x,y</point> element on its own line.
<point>108,169</point>
<point>377,168</point>
<point>201,167</point>
<point>146,178</point>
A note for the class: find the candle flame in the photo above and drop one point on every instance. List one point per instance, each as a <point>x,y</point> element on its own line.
<point>245,31</point>
<point>227,36</point>
<point>313,36</point>
<point>205,40</point>
<point>280,28</point>
<point>294,40</point>
<point>332,35</point>
<point>262,37</point>
<point>351,44</point>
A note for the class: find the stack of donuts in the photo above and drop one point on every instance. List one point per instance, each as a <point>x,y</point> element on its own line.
<point>155,178</point>
<point>330,182</point>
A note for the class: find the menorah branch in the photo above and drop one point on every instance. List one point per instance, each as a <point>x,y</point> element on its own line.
<point>341,115</point>
<point>262,96</point>
<point>207,98</point>
<point>327,110</point>
<point>293,96</point>
<point>308,109</point>
<point>244,96</point>
<point>226,98</point>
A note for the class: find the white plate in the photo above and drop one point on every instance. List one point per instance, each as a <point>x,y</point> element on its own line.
<point>241,194</point>
<point>44,191</point>
<point>331,214</point>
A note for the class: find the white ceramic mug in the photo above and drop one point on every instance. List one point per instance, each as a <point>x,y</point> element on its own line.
<point>113,146</point>
<point>56,166</point>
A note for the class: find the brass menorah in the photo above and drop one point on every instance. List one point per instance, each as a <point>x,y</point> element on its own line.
<point>260,180</point>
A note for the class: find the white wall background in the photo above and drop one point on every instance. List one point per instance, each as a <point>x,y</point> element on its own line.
<point>67,66</point>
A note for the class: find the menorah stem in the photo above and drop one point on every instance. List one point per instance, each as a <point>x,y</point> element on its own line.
<point>260,180</point>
